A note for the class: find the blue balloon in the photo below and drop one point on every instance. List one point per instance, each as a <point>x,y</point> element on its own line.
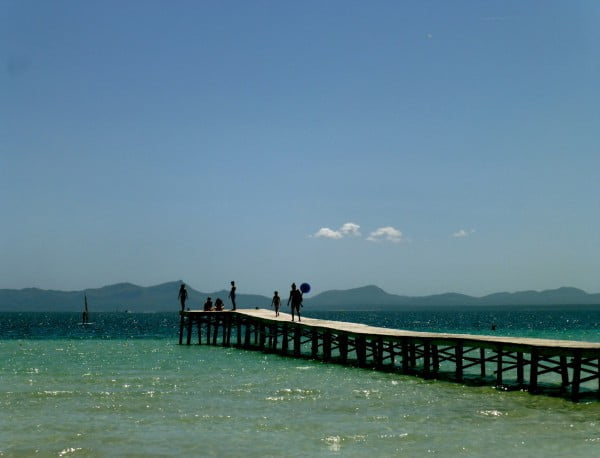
<point>305,288</point>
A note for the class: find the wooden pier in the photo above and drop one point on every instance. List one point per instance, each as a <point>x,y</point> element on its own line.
<point>571,368</point>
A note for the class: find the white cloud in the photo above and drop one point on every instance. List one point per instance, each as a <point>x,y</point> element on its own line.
<point>350,229</point>
<point>385,233</point>
<point>347,229</point>
<point>463,233</point>
<point>327,233</point>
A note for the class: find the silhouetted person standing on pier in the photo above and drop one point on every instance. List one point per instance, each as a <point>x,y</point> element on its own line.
<point>296,300</point>
<point>276,302</point>
<point>232,294</point>
<point>183,295</point>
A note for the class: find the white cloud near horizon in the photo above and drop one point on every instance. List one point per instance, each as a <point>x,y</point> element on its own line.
<point>327,233</point>
<point>388,233</point>
<point>350,229</point>
<point>347,229</point>
<point>463,233</point>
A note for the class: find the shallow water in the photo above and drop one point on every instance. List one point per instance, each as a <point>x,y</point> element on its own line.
<point>94,392</point>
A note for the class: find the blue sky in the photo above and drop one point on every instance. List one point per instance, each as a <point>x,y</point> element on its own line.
<point>423,147</point>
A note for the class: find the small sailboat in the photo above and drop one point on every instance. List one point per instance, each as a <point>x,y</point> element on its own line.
<point>86,314</point>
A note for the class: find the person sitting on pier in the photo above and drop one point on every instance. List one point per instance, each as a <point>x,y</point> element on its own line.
<point>219,306</point>
<point>208,305</point>
<point>296,300</point>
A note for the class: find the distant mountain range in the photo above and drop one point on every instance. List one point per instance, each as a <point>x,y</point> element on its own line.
<point>128,297</point>
<point>373,297</point>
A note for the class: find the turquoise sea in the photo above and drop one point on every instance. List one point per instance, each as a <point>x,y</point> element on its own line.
<point>121,386</point>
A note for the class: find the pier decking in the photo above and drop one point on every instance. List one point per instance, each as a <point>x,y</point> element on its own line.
<point>537,365</point>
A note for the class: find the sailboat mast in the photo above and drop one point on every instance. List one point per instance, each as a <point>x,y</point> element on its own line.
<point>85,311</point>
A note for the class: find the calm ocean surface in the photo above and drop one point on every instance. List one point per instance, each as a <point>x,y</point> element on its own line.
<point>123,387</point>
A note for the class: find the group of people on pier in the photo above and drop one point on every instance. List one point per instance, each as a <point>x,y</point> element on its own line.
<point>218,306</point>
<point>295,300</point>
<point>208,305</point>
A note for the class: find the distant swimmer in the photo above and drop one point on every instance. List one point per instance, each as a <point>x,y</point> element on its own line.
<point>183,295</point>
<point>232,294</point>
<point>276,302</point>
<point>493,326</point>
<point>296,300</point>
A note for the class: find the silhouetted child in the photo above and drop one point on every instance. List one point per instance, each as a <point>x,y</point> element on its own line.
<point>276,302</point>
<point>208,305</point>
<point>219,304</point>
